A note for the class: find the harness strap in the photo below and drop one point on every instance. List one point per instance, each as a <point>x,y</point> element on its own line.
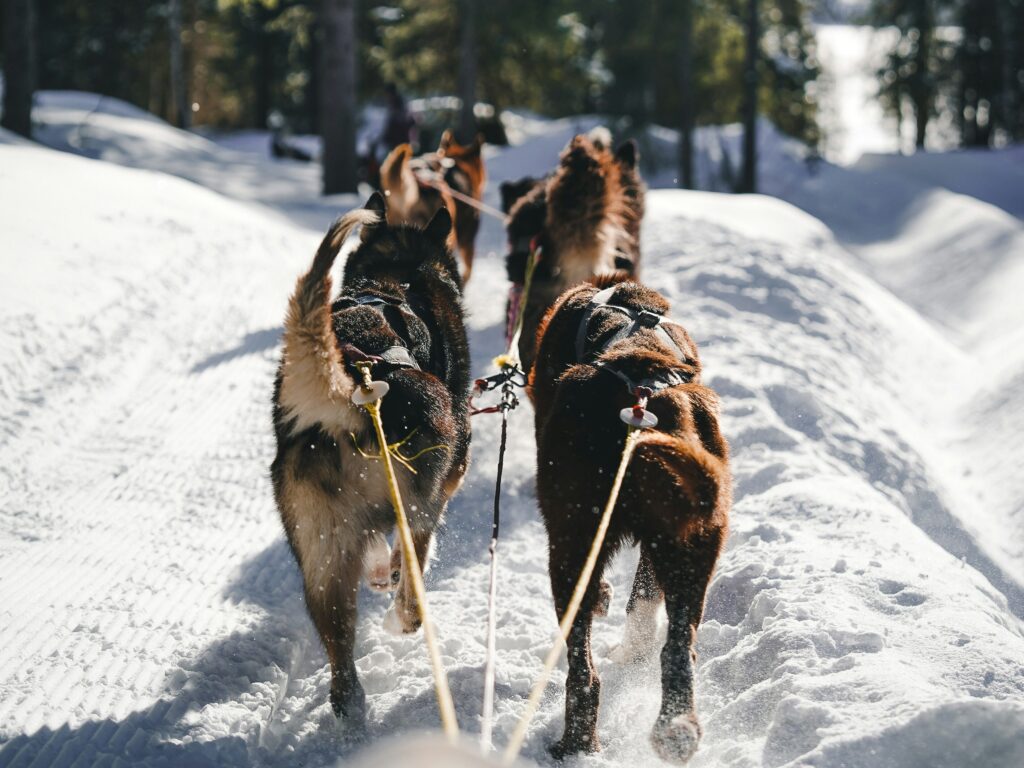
<point>397,356</point>
<point>654,383</point>
<point>641,319</point>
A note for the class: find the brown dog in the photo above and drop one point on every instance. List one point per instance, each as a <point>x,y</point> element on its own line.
<point>417,187</point>
<point>586,219</point>
<point>400,307</point>
<point>464,172</point>
<point>594,349</point>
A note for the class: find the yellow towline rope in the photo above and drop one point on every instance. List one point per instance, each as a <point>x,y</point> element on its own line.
<point>444,695</point>
<point>519,735</point>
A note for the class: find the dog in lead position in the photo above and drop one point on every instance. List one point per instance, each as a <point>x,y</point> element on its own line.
<point>596,348</point>
<point>399,308</point>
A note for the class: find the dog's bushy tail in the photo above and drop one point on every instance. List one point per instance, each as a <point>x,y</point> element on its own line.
<point>313,373</point>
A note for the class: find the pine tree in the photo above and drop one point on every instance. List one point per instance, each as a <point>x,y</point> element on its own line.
<point>748,175</point>
<point>19,61</point>
<point>686,177</point>
<point>338,95</point>
<point>913,72</point>
<point>467,70</point>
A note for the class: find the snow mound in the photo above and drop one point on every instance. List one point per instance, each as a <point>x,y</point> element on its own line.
<point>939,230</point>
<point>105,128</point>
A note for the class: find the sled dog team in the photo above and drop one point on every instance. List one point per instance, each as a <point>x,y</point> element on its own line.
<point>594,340</point>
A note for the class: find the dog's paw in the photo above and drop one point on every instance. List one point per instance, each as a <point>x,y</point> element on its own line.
<point>391,623</point>
<point>377,570</point>
<point>631,653</point>
<point>675,739</point>
<point>394,624</point>
<point>567,747</point>
<point>349,708</point>
<point>638,636</point>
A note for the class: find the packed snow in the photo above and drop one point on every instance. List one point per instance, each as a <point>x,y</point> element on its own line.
<point>866,613</point>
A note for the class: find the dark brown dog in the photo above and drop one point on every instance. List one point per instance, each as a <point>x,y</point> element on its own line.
<point>674,500</point>
<point>586,219</point>
<point>401,308</point>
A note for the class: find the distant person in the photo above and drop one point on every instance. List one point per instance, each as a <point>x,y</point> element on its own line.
<point>399,125</point>
<point>281,145</point>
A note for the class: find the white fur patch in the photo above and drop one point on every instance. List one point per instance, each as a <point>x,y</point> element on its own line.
<point>354,218</point>
<point>311,398</point>
<point>600,137</point>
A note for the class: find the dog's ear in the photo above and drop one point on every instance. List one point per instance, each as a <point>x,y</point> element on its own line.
<point>446,140</point>
<point>377,204</point>
<point>440,226</point>
<point>628,154</point>
<point>473,150</point>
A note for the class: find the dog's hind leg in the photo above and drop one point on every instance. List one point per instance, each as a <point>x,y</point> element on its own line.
<point>684,572</point>
<point>582,685</point>
<point>331,599</point>
<point>641,614</point>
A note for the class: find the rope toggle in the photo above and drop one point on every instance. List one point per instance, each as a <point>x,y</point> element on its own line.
<point>509,377</point>
<point>638,416</point>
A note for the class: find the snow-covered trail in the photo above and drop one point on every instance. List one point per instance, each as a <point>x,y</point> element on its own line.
<point>150,612</point>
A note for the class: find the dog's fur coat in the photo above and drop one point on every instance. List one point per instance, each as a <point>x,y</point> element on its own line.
<point>332,497</point>
<point>585,217</point>
<point>674,500</point>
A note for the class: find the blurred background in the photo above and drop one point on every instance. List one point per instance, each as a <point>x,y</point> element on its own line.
<point>842,77</point>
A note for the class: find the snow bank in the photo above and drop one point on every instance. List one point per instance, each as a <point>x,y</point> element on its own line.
<point>109,129</point>
<point>959,261</point>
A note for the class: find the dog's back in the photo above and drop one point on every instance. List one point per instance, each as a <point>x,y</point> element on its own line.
<point>674,500</point>
<point>586,220</point>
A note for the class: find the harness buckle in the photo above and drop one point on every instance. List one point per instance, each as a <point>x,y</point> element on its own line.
<point>638,416</point>
<point>648,319</point>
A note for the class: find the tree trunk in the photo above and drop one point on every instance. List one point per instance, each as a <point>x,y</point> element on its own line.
<point>19,65</point>
<point>921,125</point>
<point>467,70</point>
<point>179,92</point>
<point>264,67</point>
<point>1008,55</point>
<point>313,86</point>
<point>338,95</point>
<point>748,179</point>
<point>686,180</point>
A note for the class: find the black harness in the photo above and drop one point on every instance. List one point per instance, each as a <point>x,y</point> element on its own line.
<point>397,356</point>
<point>640,320</point>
